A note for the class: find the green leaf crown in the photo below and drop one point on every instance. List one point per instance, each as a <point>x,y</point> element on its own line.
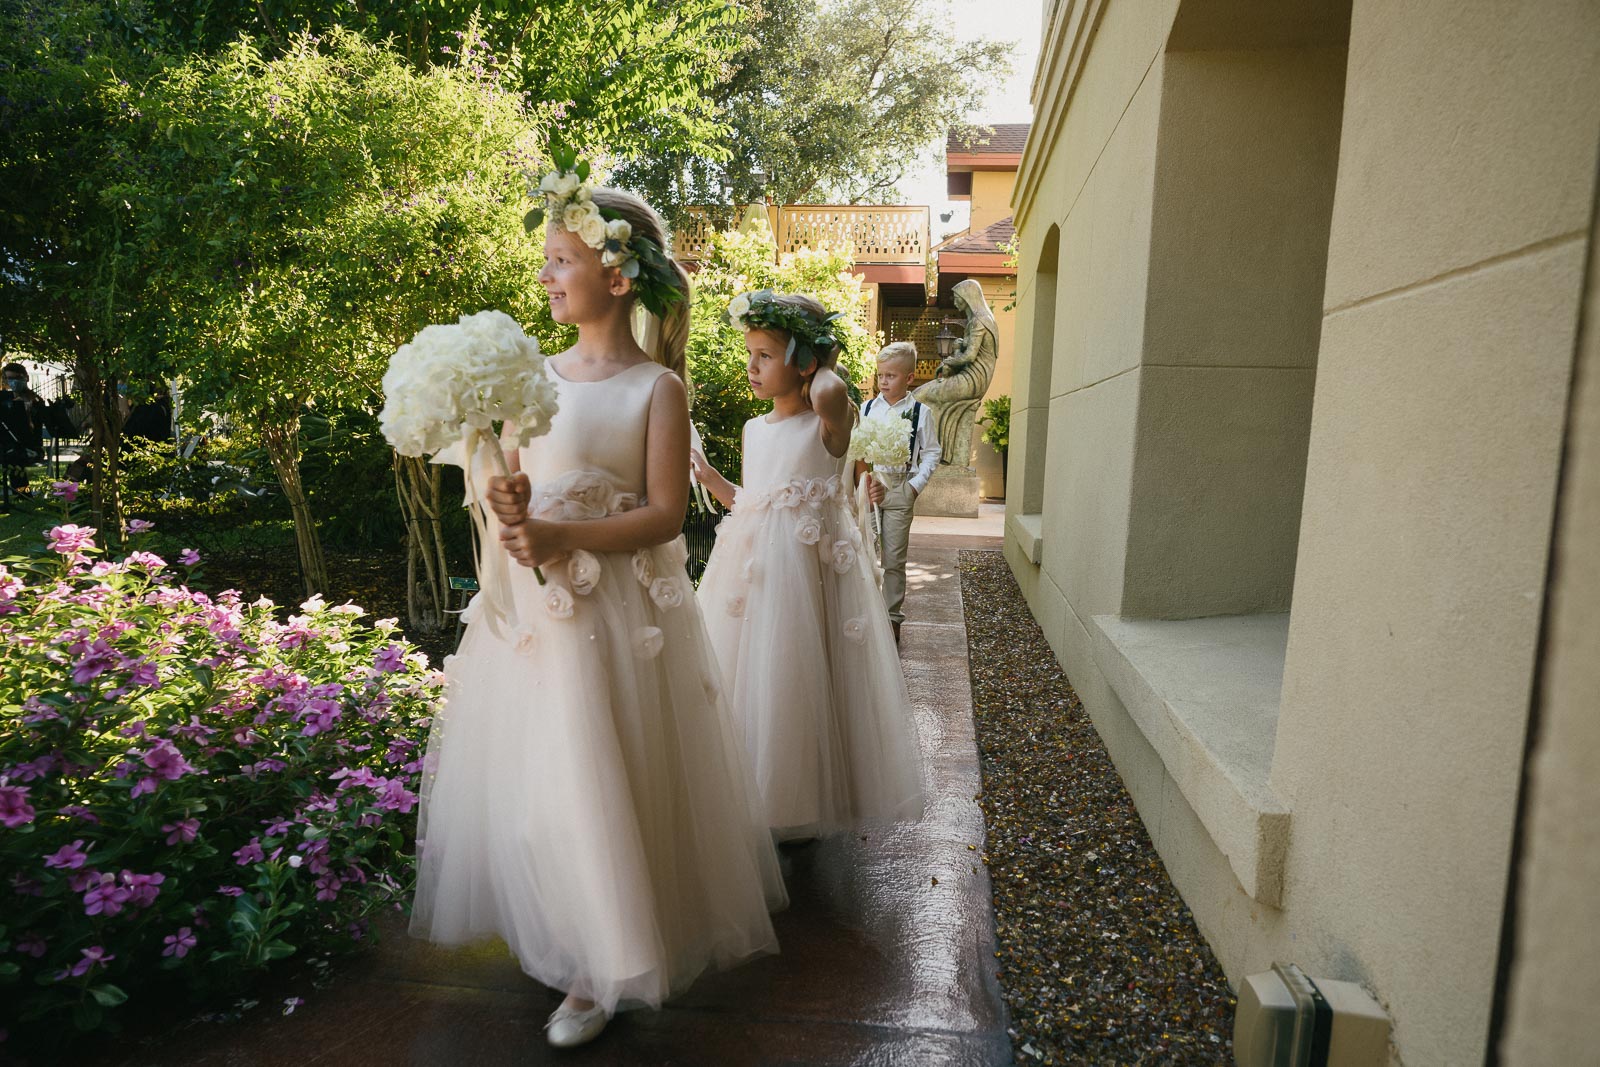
<point>568,196</point>
<point>810,338</point>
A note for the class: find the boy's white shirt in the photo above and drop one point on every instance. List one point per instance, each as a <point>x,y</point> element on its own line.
<point>927,453</point>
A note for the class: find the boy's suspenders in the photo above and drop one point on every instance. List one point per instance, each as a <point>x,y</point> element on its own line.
<point>916,426</point>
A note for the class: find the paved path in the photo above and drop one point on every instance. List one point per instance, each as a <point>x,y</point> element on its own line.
<point>887,948</point>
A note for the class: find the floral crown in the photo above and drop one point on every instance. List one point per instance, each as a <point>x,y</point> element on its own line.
<point>569,199</point>
<point>809,337</point>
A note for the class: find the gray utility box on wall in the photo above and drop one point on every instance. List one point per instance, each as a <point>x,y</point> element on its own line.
<point>1286,1019</point>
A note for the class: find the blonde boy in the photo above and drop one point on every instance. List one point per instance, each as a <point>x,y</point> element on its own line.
<point>897,364</point>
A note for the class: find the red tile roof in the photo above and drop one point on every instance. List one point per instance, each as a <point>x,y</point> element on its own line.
<point>991,239</point>
<point>1003,138</point>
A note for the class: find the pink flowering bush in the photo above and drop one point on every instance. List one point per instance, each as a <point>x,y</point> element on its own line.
<point>190,788</point>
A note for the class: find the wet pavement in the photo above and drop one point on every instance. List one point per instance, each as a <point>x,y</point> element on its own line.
<point>888,946</point>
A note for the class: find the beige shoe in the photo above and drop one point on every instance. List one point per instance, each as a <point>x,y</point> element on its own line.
<point>569,1028</point>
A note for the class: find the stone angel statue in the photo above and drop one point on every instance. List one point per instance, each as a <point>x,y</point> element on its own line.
<point>964,376</point>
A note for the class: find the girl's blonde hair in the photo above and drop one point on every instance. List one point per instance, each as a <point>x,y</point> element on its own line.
<point>671,349</point>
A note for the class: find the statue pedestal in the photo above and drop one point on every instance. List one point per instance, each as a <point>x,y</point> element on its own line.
<point>952,491</point>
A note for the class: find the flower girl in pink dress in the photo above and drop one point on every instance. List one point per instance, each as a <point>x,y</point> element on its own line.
<point>587,798</point>
<point>794,612</point>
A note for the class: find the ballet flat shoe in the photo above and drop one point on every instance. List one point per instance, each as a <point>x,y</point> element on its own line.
<point>568,1028</point>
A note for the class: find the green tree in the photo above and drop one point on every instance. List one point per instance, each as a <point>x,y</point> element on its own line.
<point>627,77</point>
<point>830,101</point>
<point>300,216</point>
<point>736,262</point>
<point>66,131</point>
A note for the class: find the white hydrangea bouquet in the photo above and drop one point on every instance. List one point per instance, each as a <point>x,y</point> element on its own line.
<point>881,438</point>
<point>452,383</point>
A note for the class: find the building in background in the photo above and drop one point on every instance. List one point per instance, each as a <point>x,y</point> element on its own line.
<point>1299,301</point>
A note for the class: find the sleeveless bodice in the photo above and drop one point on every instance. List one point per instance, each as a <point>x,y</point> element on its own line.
<point>592,462</point>
<point>789,456</point>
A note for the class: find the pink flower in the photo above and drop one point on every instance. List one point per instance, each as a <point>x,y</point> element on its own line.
<point>78,811</point>
<point>148,560</point>
<point>189,557</point>
<point>92,956</point>
<point>390,658</point>
<point>328,887</point>
<point>167,761</point>
<point>10,585</point>
<point>250,853</point>
<point>143,888</point>
<point>180,943</point>
<point>291,1003</point>
<point>67,857</point>
<point>230,890</point>
<point>15,810</point>
<point>67,491</point>
<point>34,768</point>
<point>147,784</point>
<point>95,662</point>
<point>105,897</point>
<point>139,526</point>
<point>31,944</point>
<point>183,830</point>
<point>71,539</point>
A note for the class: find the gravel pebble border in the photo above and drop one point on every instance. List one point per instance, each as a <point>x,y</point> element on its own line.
<point>1100,961</point>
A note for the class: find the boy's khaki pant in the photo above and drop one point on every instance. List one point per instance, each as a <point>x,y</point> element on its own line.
<point>894,533</point>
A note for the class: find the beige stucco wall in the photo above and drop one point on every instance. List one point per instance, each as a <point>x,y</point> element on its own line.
<point>1454,277</point>
<point>991,197</point>
<point>1001,293</point>
<point>1555,982</point>
<point>1232,317</point>
<point>1456,241</point>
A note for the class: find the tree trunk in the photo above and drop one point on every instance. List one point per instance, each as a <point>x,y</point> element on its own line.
<point>283,449</point>
<point>105,427</point>
<point>420,486</point>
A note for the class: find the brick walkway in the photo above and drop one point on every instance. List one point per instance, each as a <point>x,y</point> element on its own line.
<point>887,948</point>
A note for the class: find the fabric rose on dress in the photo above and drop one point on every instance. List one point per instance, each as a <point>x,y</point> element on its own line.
<point>666,593</point>
<point>677,550</point>
<point>584,571</point>
<point>808,530</point>
<point>647,642</point>
<point>788,496</point>
<point>621,502</point>
<point>644,567</point>
<point>526,640</point>
<point>816,491</point>
<point>558,602</point>
<point>844,557</point>
<point>856,629</point>
<point>736,606</point>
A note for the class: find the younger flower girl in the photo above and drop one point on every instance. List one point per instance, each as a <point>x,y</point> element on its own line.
<point>587,799</point>
<point>791,604</point>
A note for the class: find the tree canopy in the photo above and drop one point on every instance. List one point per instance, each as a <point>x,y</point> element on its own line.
<point>829,101</point>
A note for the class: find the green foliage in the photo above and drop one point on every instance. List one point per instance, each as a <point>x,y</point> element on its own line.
<point>190,789</point>
<point>627,77</point>
<point>996,422</point>
<point>833,100</point>
<point>301,216</point>
<point>739,261</point>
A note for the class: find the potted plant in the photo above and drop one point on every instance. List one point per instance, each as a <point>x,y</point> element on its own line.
<point>996,423</point>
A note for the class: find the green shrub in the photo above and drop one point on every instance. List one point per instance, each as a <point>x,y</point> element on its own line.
<point>190,790</point>
<point>736,262</point>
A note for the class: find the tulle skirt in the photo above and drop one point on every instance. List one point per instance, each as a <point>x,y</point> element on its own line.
<point>810,664</point>
<point>586,798</point>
